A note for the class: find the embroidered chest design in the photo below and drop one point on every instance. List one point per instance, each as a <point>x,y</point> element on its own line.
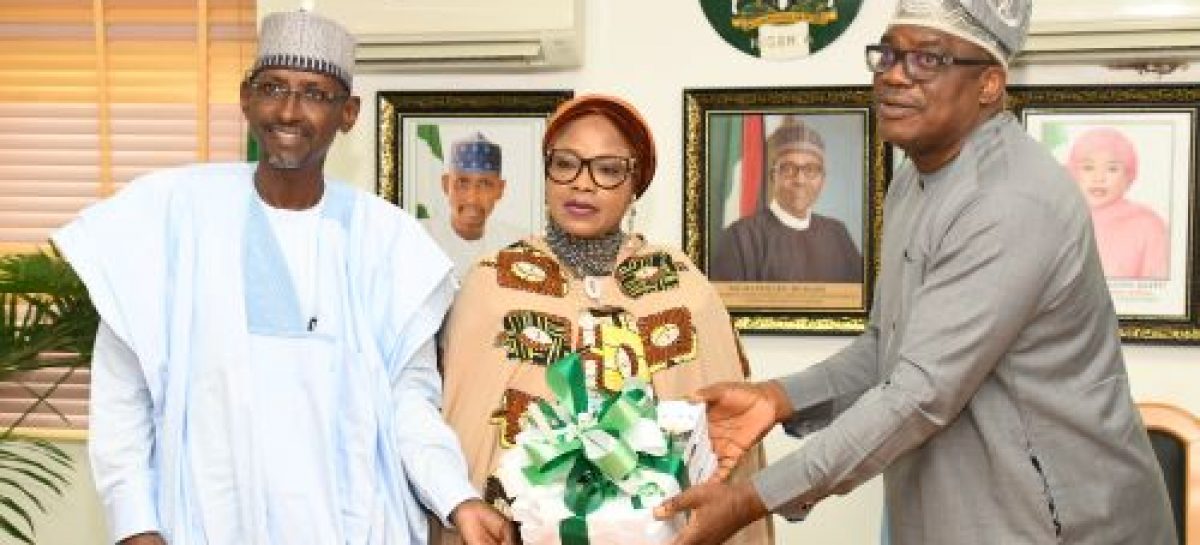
<point>613,345</point>
<point>650,273</point>
<point>669,337</point>
<point>535,337</point>
<point>507,417</point>
<point>611,348</point>
<point>618,346</point>
<point>525,268</point>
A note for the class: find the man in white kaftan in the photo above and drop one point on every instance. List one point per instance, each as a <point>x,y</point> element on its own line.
<point>264,371</point>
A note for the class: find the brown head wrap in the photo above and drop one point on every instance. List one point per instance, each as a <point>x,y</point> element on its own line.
<point>622,114</point>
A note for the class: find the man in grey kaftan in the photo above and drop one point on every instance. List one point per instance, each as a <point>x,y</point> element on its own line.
<point>989,386</point>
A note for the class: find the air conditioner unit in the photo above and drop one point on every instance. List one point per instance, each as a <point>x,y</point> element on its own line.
<point>1112,31</point>
<point>454,35</point>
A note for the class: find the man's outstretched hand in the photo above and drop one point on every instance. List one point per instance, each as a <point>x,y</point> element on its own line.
<point>481,524</point>
<point>718,510</point>
<point>739,415</point>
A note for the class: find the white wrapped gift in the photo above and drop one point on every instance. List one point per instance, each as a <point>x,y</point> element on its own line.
<point>541,509</point>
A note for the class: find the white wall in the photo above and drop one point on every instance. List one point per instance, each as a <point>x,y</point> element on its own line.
<point>648,51</point>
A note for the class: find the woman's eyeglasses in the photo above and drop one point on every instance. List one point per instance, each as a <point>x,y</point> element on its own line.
<point>608,171</point>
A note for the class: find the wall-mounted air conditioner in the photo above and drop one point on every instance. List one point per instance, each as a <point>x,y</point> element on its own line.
<point>454,35</point>
<point>1112,31</point>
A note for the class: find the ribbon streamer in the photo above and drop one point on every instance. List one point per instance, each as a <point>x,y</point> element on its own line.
<point>598,456</point>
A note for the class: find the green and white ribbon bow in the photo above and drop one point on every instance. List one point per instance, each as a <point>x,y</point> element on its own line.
<point>599,454</point>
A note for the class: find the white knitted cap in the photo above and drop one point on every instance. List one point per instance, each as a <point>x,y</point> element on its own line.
<point>998,26</point>
<point>305,41</point>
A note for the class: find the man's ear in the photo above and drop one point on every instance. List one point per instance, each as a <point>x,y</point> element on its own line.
<point>350,113</point>
<point>502,184</point>
<point>244,97</point>
<point>993,81</point>
<point>446,183</point>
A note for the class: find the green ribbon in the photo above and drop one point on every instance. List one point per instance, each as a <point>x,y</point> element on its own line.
<point>573,531</point>
<point>566,379</point>
<point>597,457</point>
<point>671,464</point>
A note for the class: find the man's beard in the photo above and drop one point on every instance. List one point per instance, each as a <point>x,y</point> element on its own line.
<point>283,163</point>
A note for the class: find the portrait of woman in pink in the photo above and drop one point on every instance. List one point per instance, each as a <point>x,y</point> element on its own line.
<point>1132,238</point>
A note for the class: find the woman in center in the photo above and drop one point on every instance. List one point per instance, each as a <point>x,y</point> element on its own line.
<point>631,308</point>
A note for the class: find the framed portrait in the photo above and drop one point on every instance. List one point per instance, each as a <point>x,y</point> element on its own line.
<point>1132,150</point>
<point>467,164</point>
<point>783,191</point>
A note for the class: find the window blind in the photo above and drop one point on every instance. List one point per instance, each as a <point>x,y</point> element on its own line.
<point>64,410</point>
<point>94,93</point>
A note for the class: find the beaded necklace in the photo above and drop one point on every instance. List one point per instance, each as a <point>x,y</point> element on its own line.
<point>585,256</point>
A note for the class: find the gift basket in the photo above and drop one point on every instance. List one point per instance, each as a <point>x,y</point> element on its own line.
<point>589,466</point>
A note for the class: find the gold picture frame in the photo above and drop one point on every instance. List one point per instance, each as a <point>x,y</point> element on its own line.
<point>856,166</point>
<point>417,131</point>
<point>1161,123</point>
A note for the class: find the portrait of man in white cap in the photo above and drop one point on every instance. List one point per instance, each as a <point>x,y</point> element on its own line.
<point>789,241</point>
<point>265,370</point>
<point>472,184</point>
<point>989,387</point>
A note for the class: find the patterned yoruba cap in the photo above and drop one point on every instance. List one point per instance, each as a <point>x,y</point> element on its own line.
<point>475,154</point>
<point>794,135</point>
<point>301,40</point>
<point>999,26</point>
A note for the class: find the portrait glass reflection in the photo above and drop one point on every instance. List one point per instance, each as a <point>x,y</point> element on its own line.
<point>474,182</point>
<point>786,209</point>
<point>1131,170</point>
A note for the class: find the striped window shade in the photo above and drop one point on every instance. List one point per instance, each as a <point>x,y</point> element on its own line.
<point>96,92</point>
<point>62,414</point>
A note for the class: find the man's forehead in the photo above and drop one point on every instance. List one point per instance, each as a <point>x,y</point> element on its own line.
<point>294,76</point>
<point>800,156</point>
<point>915,35</point>
<point>919,37</point>
<point>473,176</point>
